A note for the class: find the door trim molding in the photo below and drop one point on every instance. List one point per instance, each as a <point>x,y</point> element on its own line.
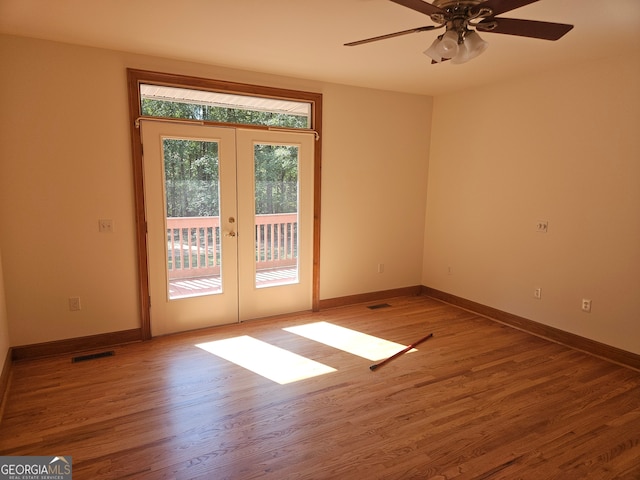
<point>134,79</point>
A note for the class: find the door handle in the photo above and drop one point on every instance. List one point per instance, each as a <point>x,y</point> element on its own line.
<point>230,234</point>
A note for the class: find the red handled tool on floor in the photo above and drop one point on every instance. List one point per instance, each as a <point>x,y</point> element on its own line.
<point>401,352</point>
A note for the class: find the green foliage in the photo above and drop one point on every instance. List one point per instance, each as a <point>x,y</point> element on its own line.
<point>276,178</point>
<point>192,166</point>
<point>159,108</point>
<point>191,178</point>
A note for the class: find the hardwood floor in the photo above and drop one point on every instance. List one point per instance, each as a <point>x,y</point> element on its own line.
<point>479,400</point>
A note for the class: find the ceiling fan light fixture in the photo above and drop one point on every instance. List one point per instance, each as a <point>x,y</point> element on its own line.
<point>448,45</point>
<point>432,51</point>
<point>472,46</point>
<point>463,55</point>
<point>475,44</point>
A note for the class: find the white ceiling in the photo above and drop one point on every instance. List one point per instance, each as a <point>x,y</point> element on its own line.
<point>304,38</point>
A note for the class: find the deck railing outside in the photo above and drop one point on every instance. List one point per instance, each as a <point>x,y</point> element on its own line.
<point>194,244</point>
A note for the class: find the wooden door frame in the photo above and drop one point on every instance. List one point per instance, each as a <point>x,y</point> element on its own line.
<point>137,77</point>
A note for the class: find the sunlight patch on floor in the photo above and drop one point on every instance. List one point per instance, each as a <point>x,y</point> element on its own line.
<point>345,339</point>
<point>269,361</point>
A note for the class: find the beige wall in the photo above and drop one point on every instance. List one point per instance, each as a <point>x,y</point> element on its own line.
<point>374,190</point>
<point>65,162</point>
<point>563,146</point>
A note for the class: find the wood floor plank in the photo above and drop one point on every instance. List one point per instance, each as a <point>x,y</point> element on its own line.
<point>480,400</point>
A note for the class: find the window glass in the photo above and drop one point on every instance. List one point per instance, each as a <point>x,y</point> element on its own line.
<point>173,102</point>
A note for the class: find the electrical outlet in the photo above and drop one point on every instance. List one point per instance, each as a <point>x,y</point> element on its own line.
<point>586,305</point>
<point>381,268</point>
<point>105,226</point>
<point>542,226</point>
<point>74,304</point>
<point>537,293</point>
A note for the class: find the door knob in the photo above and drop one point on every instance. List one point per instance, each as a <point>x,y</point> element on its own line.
<point>230,234</point>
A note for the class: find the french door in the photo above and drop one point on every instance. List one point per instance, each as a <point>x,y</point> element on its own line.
<point>229,215</point>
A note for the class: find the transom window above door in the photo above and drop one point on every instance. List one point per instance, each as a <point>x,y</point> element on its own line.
<point>223,107</point>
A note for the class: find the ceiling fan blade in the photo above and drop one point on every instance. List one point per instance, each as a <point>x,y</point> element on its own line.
<point>391,35</point>
<point>419,6</point>
<point>525,28</point>
<point>502,6</point>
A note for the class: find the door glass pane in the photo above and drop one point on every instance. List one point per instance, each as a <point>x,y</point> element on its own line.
<point>276,214</point>
<point>192,217</point>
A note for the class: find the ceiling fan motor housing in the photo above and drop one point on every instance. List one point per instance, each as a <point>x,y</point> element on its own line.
<point>444,4</point>
<point>457,14</point>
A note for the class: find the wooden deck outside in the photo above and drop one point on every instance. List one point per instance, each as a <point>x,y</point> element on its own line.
<point>193,247</point>
<point>207,285</point>
<point>480,400</point>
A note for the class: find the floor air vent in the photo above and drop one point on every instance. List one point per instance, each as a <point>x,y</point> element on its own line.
<point>380,305</point>
<point>91,356</point>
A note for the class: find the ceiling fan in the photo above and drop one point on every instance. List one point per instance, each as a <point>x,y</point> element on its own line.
<point>462,19</point>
